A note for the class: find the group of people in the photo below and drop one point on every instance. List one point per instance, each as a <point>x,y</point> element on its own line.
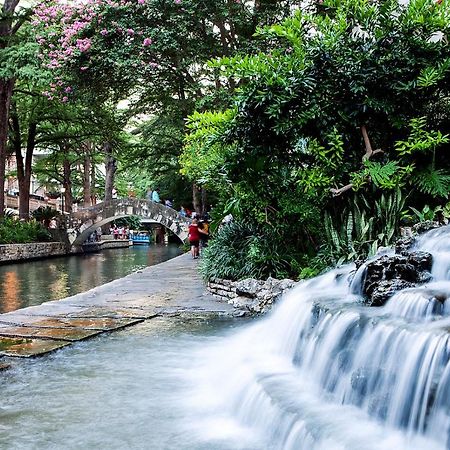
<point>198,235</point>
<point>120,232</point>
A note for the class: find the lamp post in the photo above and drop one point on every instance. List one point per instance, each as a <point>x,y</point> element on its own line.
<point>63,191</point>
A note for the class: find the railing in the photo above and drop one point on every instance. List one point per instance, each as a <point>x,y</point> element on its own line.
<point>13,203</point>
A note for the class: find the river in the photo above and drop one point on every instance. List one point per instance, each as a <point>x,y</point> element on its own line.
<point>35,282</point>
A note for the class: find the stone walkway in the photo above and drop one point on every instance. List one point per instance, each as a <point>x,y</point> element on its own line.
<point>172,288</point>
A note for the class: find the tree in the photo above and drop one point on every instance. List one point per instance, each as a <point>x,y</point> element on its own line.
<point>152,52</point>
<point>351,98</point>
<point>10,23</point>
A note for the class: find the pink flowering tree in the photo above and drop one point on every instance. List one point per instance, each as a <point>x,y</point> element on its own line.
<point>151,52</point>
<point>97,47</point>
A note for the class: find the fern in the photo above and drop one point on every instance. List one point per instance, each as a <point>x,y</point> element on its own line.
<point>382,174</point>
<point>434,182</point>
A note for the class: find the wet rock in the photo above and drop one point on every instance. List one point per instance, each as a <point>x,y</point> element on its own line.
<point>427,225</point>
<point>421,260</point>
<point>404,244</point>
<point>386,289</point>
<point>424,277</point>
<point>406,272</point>
<point>389,274</point>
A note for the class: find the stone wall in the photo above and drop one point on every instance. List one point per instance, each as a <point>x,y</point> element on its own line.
<point>102,245</point>
<point>35,250</point>
<point>254,296</point>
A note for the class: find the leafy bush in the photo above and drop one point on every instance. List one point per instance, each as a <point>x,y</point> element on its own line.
<point>240,250</point>
<point>362,227</point>
<point>13,231</point>
<point>45,214</point>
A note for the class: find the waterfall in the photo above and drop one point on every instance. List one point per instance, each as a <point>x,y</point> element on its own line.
<point>324,371</point>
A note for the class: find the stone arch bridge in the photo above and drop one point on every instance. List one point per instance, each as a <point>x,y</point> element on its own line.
<point>86,220</point>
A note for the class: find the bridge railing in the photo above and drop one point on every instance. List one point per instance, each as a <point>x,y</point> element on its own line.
<point>88,218</point>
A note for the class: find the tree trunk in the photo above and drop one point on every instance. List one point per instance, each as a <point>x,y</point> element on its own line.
<point>67,183</point>
<point>24,166</point>
<point>204,201</point>
<point>111,167</point>
<point>197,198</point>
<point>87,177</point>
<point>93,185</point>
<point>6,89</point>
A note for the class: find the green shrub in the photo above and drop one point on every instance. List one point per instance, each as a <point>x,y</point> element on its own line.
<point>241,250</point>
<point>13,231</point>
<point>45,214</point>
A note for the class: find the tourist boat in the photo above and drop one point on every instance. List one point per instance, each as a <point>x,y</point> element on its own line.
<point>140,237</point>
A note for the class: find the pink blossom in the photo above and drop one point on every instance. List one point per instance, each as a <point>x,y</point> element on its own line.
<point>147,42</point>
<point>104,32</point>
<point>83,44</point>
<point>130,32</point>
<point>141,2</point>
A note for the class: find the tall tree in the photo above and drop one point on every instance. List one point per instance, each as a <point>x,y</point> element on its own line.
<point>9,25</point>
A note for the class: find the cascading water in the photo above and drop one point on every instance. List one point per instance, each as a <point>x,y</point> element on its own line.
<point>323,371</point>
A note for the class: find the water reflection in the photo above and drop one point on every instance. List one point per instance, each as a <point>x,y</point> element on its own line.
<point>11,291</point>
<point>35,282</point>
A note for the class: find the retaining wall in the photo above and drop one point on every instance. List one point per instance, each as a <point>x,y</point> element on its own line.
<point>255,296</point>
<point>35,250</point>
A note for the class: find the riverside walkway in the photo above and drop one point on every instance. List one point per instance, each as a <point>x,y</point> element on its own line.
<point>173,288</point>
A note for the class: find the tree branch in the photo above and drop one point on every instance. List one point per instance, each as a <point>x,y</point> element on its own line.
<point>337,192</point>
<point>367,155</point>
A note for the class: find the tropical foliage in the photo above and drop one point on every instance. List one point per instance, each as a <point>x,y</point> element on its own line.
<point>335,130</point>
<point>13,231</point>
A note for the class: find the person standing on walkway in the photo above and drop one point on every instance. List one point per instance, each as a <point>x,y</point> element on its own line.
<point>194,238</point>
<point>155,196</point>
<point>203,228</point>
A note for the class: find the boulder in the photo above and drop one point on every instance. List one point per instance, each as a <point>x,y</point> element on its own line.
<point>404,244</point>
<point>386,289</point>
<point>258,296</point>
<point>427,225</point>
<point>389,274</point>
<point>249,287</point>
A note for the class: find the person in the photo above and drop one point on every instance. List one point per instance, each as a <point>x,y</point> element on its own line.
<point>168,203</point>
<point>203,228</point>
<point>155,196</point>
<point>182,212</point>
<point>116,232</point>
<point>194,238</point>
<point>149,195</point>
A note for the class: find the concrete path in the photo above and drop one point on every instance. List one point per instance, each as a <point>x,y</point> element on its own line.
<point>172,288</point>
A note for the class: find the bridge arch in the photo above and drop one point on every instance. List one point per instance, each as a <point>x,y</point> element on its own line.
<point>86,220</point>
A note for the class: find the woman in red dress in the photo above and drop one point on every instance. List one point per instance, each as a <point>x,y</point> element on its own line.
<point>194,238</point>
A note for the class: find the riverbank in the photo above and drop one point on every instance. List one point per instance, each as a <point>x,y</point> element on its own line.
<point>173,288</point>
